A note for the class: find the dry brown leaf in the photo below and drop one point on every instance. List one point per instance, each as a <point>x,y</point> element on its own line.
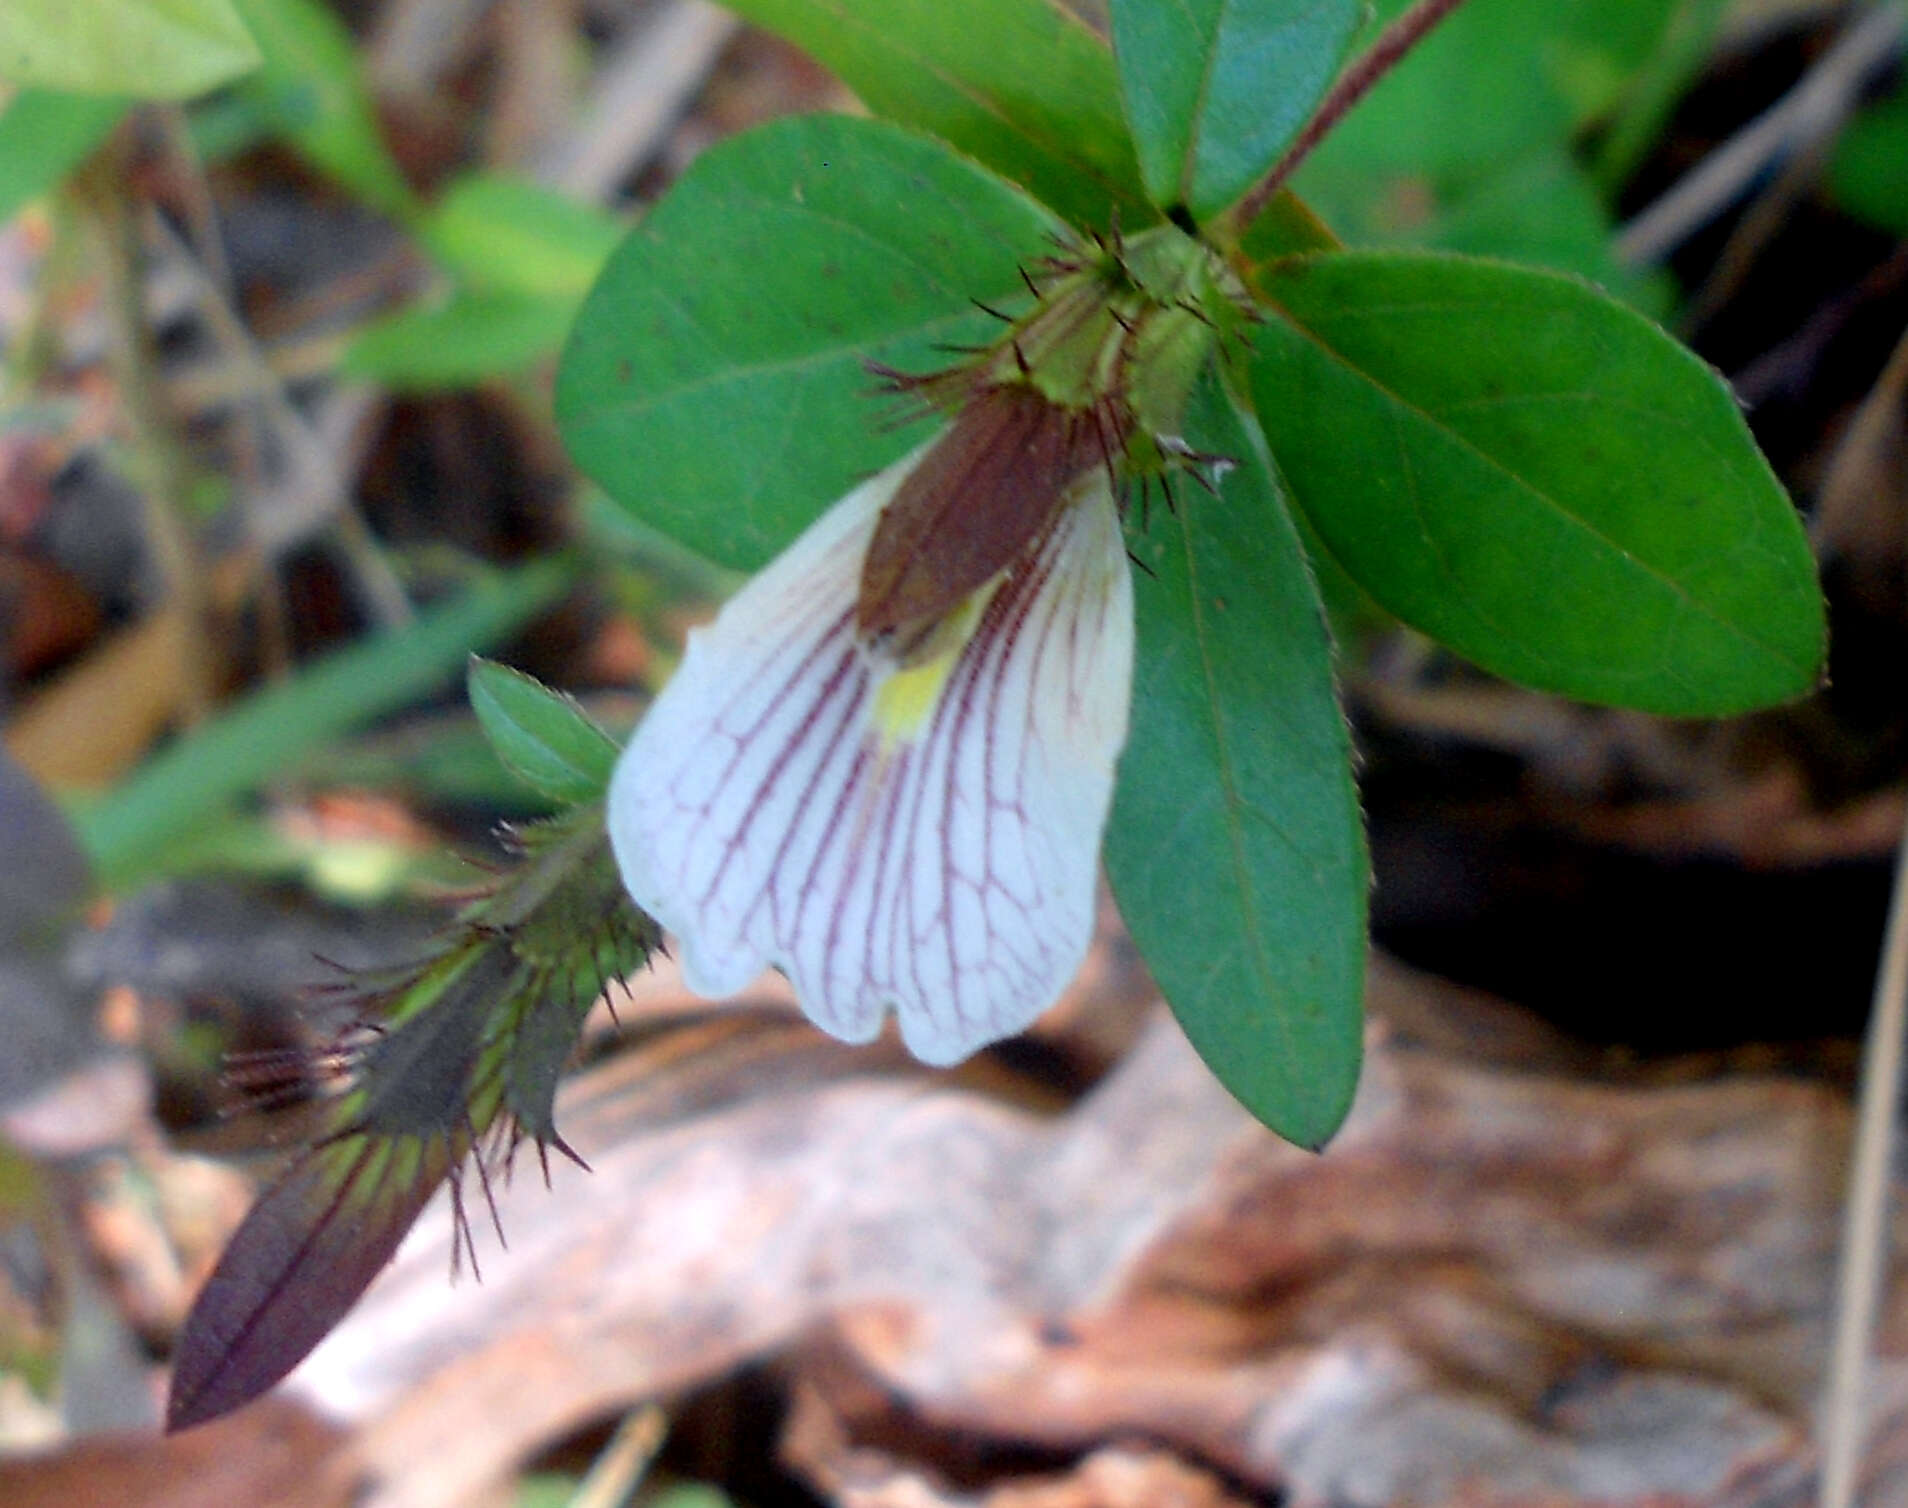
<point>815,1444</point>
<point>1498,1284</point>
<point>45,614</point>
<point>262,1458</point>
<point>1768,821</point>
<point>1861,514</point>
<point>96,720</point>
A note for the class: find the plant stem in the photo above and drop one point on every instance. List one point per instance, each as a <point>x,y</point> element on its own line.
<point>1865,1220</point>
<point>1353,85</point>
<point>163,482</point>
<point>1811,112</point>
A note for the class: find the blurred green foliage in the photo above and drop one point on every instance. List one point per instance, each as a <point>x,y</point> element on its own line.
<point>1472,144</point>
<point>1869,172</point>
<point>151,49</point>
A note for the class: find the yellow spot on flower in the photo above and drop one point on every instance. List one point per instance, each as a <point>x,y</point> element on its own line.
<point>905,701</point>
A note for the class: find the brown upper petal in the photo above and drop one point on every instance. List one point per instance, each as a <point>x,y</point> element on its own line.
<point>978,498</point>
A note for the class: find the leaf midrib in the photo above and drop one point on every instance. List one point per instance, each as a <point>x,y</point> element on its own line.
<point>730,373</point>
<point>1196,121</point>
<point>1256,952</point>
<point>1543,498</point>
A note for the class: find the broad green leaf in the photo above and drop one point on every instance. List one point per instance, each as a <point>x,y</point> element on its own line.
<point>312,85</point>
<point>1235,847</point>
<point>1540,208</point>
<point>508,234</point>
<point>1681,49</point>
<point>131,828</point>
<point>716,380</point>
<point>1216,89</point>
<point>1869,172</point>
<point>1538,478</point>
<point>1491,174</point>
<point>1024,86</point>
<point>150,49</point>
<point>1495,78</point>
<point>1286,227</point>
<point>468,339</point>
<point>541,735</point>
<point>44,135</point>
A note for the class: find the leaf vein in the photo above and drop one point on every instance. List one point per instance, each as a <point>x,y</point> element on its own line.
<point>1405,406</point>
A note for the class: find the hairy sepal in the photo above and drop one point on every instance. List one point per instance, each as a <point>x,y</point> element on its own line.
<point>456,1059</point>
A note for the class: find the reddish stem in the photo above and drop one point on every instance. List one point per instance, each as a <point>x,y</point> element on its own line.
<point>1353,85</point>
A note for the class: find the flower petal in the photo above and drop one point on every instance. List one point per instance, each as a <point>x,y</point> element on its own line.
<point>924,839</point>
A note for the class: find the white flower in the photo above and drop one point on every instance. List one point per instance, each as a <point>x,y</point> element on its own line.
<point>915,833</point>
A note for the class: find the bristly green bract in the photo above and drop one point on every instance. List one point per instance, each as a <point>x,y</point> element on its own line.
<point>455,1058</point>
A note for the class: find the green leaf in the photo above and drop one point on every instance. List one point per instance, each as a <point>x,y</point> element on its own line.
<point>468,339</point>
<point>541,735</point>
<point>502,233</point>
<point>1538,478</point>
<point>1525,73</point>
<point>1235,846</point>
<point>1215,90</point>
<point>692,1495</point>
<point>1869,172</point>
<point>1541,208</point>
<point>151,49</point>
<point>166,798</point>
<point>1286,227</point>
<point>716,380</point>
<point>1024,86</point>
<point>1497,176</point>
<point>1664,72</point>
<point>44,135</point>
<point>545,1489</point>
<point>315,92</point>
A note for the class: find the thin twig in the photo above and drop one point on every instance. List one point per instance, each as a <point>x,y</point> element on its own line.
<point>313,461</point>
<point>649,79</point>
<point>530,102</point>
<point>208,241</point>
<point>413,43</point>
<point>1864,1228</point>
<point>163,484</point>
<point>207,384</point>
<point>201,209</point>
<point>1786,367</point>
<point>1759,224</point>
<point>625,1461</point>
<point>1811,111</point>
<point>1353,85</point>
